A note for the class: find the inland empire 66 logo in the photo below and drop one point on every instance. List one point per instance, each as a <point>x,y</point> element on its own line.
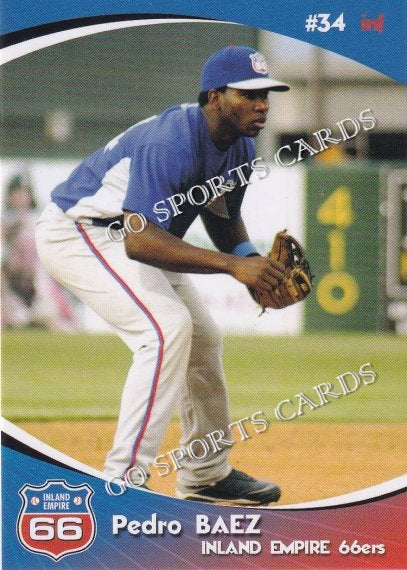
<point>56,519</point>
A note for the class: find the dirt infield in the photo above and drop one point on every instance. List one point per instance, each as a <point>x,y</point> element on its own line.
<point>309,461</point>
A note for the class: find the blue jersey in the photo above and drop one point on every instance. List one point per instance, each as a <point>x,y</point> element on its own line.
<point>166,168</point>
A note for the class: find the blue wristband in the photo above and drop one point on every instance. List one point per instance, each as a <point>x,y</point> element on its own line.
<point>243,249</point>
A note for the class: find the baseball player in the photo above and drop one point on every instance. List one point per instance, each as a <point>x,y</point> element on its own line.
<point>113,236</point>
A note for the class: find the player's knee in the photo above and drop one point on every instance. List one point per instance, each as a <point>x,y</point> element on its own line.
<point>179,326</point>
<point>185,325</point>
<point>210,337</point>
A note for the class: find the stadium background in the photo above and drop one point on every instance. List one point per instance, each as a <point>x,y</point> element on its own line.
<point>349,206</point>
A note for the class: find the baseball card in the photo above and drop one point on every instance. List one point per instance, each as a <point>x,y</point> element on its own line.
<point>204,284</point>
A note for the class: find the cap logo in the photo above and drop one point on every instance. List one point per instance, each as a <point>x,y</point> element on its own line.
<point>258,63</point>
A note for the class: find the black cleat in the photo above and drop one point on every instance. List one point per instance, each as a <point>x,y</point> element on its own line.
<point>235,489</point>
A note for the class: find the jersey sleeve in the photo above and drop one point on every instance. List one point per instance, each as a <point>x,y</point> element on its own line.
<point>156,172</point>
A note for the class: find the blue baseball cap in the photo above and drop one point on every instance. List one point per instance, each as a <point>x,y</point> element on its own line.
<point>239,67</point>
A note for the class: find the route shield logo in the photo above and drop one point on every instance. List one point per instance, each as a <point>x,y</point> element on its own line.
<point>56,519</point>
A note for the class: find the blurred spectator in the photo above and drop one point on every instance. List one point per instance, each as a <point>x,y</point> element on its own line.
<point>28,296</point>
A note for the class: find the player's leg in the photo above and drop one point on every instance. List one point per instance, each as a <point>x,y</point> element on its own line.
<point>140,304</point>
<point>204,408</point>
<point>205,418</point>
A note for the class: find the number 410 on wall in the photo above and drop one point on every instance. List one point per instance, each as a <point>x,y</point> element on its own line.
<point>337,291</point>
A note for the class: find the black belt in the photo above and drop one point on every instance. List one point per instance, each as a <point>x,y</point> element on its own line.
<point>104,222</point>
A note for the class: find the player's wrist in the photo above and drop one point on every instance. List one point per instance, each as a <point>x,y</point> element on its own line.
<point>233,265</point>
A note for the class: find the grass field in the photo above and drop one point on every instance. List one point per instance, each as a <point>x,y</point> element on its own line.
<point>72,376</point>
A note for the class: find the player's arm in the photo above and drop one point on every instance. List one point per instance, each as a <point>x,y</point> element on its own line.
<point>226,234</point>
<point>159,248</point>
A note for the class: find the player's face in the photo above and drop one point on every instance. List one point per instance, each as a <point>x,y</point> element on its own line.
<point>243,112</point>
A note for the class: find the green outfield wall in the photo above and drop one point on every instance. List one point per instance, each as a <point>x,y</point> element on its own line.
<point>343,228</point>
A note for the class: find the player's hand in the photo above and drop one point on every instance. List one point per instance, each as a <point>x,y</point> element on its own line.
<point>258,271</point>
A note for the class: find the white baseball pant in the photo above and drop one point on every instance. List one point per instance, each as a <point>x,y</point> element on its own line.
<point>177,348</point>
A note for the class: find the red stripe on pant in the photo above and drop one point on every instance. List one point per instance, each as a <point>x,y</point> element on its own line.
<point>156,327</point>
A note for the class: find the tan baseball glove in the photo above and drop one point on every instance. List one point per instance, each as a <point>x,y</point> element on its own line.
<point>297,281</point>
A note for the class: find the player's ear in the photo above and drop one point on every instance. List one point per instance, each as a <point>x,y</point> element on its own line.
<point>214,96</point>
